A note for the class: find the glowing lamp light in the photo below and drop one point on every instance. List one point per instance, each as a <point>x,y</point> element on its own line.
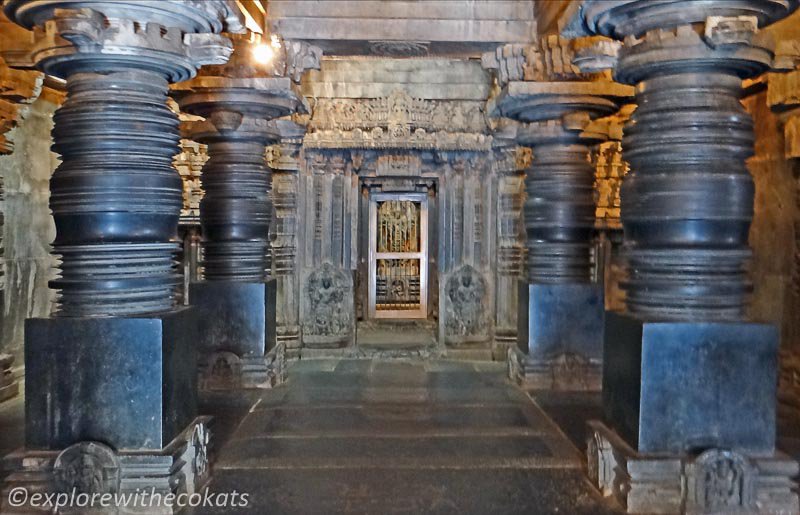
<point>263,53</point>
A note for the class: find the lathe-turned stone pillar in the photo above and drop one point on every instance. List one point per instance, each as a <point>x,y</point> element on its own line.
<point>285,160</point>
<point>689,384</point>
<point>17,87</point>
<point>110,379</point>
<point>560,309</point>
<point>239,102</point>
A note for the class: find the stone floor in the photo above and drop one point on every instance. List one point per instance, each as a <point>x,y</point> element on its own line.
<point>369,436</point>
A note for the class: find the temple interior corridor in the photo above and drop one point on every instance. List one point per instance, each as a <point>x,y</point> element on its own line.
<point>400,256</point>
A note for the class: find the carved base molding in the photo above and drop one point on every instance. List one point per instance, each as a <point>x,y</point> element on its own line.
<point>9,388</point>
<point>716,481</point>
<point>94,468</point>
<point>227,371</point>
<point>566,372</point>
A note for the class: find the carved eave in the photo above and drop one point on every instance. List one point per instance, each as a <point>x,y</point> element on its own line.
<point>16,86</point>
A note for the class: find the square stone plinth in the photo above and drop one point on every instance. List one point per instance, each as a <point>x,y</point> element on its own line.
<point>679,387</point>
<point>558,319</point>
<point>237,330</point>
<point>129,382</point>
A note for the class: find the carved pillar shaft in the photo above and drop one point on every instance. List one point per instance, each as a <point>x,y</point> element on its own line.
<point>235,211</point>
<point>509,163</point>
<point>688,202</point>
<point>285,163</point>
<point>559,211</point>
<point>115,196</point>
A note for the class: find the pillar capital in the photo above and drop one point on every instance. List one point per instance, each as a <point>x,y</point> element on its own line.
<point>171,39</point>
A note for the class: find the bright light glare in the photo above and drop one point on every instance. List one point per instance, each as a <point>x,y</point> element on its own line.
<point>263,53</point>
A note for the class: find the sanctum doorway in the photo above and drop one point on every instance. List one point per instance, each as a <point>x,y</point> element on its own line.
<point>398,256</point>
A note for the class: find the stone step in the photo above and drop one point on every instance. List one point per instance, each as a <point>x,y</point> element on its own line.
<point>368,395</point>
<point>384,491</point>
<point>488,450</point>
<point>385,418</point>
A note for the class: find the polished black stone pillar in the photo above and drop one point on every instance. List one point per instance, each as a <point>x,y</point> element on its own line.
<point>561,310</point>
<point>238,102</point>
<point>689,384</point>
<point>110,380</point>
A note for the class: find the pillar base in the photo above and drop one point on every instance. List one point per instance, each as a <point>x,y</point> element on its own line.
<point>9,388</point>
<point>566,373</point>
<point>679,387</point>
<point>129,382</point>
<point>560,336</point>
<point>237,339</point>
<point>180,467</point>
<point>713,481</point>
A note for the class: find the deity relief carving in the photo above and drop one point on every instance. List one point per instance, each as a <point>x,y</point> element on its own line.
<point>87,467</point>
<point>465,306</point>
<point>328,310</point>
<point>722,481</point>
<point>223,371</point>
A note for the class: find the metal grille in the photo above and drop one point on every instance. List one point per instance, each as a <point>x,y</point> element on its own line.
<point>398,255</point>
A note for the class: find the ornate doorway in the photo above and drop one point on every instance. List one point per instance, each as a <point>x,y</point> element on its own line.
<point>398,255</point>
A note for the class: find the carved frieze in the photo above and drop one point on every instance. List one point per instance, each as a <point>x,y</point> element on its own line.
<point>398,110</point>
<point>398,122</point>
<point>380,139</point>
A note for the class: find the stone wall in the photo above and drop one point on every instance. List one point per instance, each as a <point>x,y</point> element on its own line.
<point>776,225</point>
<point>29,226</point>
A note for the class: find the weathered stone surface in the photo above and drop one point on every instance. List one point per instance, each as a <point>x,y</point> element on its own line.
<point>429,79</point>
<point>404,28</point>
<point>91,467</point>
<point>711,481</point>
<point>29,227</point>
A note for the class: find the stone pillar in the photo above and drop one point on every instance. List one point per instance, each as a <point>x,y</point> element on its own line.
<point>689,384</point>
<point>110,379</point>
<point>17,87</point>
<point>560,309</point>
<point>239,103</point>
<point>285,161</point>
<point>510,162</point>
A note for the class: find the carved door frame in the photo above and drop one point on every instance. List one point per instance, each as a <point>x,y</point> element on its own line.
<point>422,255</point>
